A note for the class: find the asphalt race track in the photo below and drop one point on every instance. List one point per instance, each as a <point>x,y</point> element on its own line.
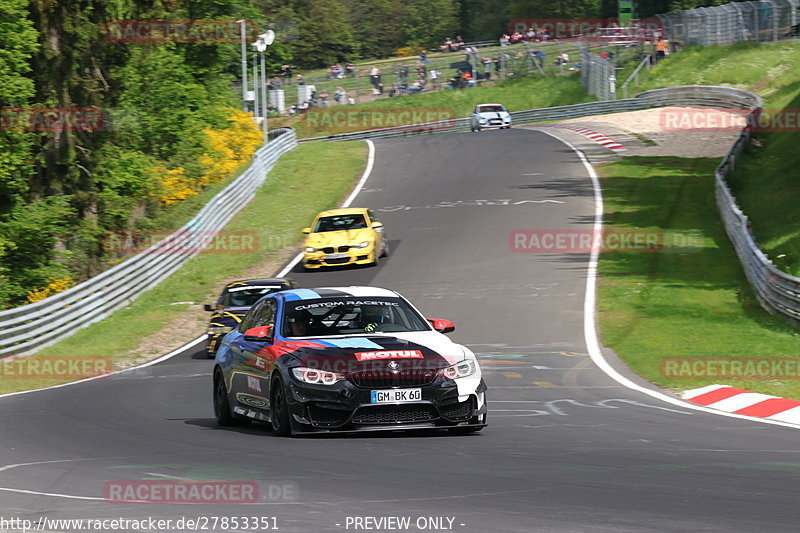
<point>567,448</point>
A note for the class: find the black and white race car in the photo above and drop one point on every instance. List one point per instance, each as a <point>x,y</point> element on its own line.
<point>490,116</point>
<point>346,359</point>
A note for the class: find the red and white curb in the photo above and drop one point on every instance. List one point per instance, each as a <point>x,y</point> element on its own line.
<point>743,402</point>
<point>597,137</point>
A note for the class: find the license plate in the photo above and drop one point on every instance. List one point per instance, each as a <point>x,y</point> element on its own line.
<point>335,256</point>
<point>396,396</point>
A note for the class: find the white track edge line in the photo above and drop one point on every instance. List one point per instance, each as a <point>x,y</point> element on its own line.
<point>589,319</point>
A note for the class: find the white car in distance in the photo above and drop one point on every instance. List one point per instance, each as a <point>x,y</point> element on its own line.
<point>490,116</point>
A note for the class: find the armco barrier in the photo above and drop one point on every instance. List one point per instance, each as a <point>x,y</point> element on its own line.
<point>31,327</point>
<point>777,291</point>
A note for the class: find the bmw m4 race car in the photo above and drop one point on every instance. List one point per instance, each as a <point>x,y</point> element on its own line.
<point>234,302</point>
<point>490,116</point>
<point>351,236</point>
<point>346,359</point>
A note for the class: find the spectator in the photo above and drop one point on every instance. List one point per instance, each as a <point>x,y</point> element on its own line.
<point>423,56</point>
<point>459,43</point>
<point>300,80</point>
<point>487,68</point>
<point>433,74</point>
<point>375,76</point>
<point>504,40</point>
<point>323,99</point>
<point>350,70</point>
<point>447,46</point>
<point>340,95</point>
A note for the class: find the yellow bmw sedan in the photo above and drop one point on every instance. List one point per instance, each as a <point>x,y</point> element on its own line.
<point>351,236</point>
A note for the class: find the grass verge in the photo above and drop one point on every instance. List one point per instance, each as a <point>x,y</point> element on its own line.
<point>697,304</point>
<point>313,177</point>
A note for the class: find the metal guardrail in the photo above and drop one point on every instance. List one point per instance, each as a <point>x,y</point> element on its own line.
<point>34,326</point>
<point>777,291</point>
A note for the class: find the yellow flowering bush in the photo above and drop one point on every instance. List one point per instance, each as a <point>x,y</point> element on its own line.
<point>231,147</point>
<point>175,186</point>
<point>54,286</point>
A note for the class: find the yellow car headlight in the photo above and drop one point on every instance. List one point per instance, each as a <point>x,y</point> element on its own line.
<point>361,244</point>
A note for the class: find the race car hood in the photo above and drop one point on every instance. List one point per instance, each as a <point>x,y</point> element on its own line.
<point>412,350</point>
<point>230,316</point>
<point>494,114</point>
<point>339,238</point>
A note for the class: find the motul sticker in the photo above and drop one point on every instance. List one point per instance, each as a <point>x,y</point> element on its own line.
<point>389,354</point>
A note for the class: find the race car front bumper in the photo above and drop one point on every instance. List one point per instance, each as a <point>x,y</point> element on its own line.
<point>353,256</point>
<point>345,407</point>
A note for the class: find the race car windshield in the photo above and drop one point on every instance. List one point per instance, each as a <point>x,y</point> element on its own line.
<point>491,109</point>
<point>350,315</point>
<point>246,296</point>
<point>340,223</point>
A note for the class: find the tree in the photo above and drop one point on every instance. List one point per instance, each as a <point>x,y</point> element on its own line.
<point>368,18</point>
<point>19,42</point>
<point>427,23</point>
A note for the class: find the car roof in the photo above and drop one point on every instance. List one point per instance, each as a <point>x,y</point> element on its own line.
<point>336,292</point>
<point>346,211</point>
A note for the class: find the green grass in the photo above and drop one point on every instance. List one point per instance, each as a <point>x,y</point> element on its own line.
<point>691,304</point>
<point>313,177</point>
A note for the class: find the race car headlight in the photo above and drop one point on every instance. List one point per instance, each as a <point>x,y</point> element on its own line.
<point>316,377</point>
<point>361,244</point>
<point>461,369</point>
<point>219,330</point>
<point>310,250</point>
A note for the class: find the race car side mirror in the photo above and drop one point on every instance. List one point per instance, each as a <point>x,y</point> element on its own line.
<point>441,325</point>
<point>377,225</point>
<point>306,230</point>
<point>259,334</point>
<point>208,307</point>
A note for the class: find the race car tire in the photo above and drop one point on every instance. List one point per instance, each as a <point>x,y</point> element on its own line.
<point>385,250</point>
<point>279,409</point>
<point>376,258</point>
<point>222,408</point>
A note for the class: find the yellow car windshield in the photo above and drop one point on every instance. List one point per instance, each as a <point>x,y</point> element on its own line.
<point>340,223</point>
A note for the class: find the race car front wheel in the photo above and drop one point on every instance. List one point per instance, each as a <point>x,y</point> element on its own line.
<point>279,409</point>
